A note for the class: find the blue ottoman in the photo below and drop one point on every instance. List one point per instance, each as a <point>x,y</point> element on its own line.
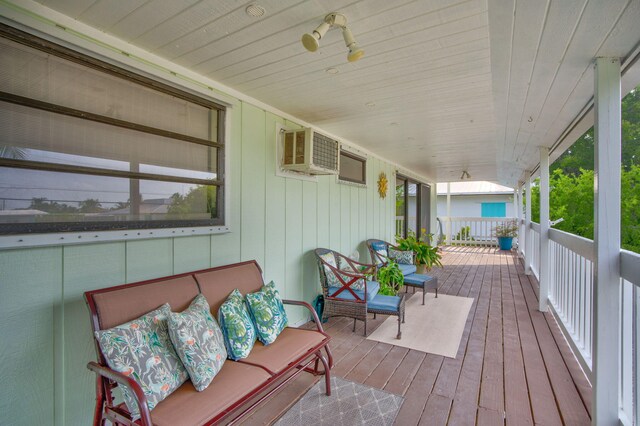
<point>421,281</point>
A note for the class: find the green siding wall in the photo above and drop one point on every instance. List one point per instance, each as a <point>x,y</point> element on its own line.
<point>44,323</point>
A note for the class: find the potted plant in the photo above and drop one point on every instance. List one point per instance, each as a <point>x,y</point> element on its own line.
<point>505,233</point>
<point>426,255</point>
<point>390,278</point>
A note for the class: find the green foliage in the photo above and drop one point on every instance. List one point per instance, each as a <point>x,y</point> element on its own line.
<point>199,199</point>
<point>464,234</point>
<point>572,182</point>
<point>508,229</point>
<point>390,278</point>
<point>425,253</point>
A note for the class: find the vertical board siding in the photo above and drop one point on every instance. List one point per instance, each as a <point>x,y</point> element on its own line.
<point>85,268</point>
<point>31,286</point>
<point>252,192</point>
<point>191,253</point>
<point>44,323</point>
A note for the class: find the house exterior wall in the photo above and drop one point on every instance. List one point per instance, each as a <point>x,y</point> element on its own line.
<point>44,322</point>
<point>470,205</point>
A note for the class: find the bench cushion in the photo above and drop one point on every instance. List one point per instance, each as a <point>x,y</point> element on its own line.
<point>218,283</point>
<point>384,303</point>
<point>290,345</point>
<point>117,306</point>
<point>372,290</point>
<point>407,269</point>
<point>186,406</point>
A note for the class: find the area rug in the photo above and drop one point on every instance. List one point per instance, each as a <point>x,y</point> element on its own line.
<point>435,327</point>
<point>349,404</point>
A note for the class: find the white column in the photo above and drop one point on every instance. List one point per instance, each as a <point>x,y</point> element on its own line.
<point>448,227</point>
<point>517,213</point>
<point>544,229</point>
<point>606,302</point>
<point>528,252</point>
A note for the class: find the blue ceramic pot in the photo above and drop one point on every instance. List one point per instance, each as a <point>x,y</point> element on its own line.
<point>505,243</point>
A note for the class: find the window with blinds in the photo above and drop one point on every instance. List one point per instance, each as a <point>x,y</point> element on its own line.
<point>86,145</point>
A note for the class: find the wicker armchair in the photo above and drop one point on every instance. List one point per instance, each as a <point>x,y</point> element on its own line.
<point>342,298</point>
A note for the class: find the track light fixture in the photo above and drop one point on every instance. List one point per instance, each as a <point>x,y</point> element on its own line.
<point>311,41</point>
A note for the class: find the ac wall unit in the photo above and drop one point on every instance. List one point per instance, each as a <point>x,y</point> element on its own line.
<point>310,152</point>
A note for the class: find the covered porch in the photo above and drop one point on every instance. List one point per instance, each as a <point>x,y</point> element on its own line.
<point>130,111</point>
<point>513,363</point>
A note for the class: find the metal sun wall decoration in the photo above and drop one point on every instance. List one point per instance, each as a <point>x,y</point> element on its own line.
<point>382,185</point>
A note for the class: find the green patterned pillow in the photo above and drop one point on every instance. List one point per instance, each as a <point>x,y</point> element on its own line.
<point>237,328</point>
<point>404,257</point>
<point>198,341</point>
<point>268,312</point>
<point>332,279</point>
<point>142,350</point>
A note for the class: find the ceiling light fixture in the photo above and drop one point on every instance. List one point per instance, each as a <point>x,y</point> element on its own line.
<point>255,10</point>
<point>465,173</point>
<point>311,41</point>
<point>331,70</point>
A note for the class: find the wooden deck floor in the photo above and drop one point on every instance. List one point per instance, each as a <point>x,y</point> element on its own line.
<point>513,364</point>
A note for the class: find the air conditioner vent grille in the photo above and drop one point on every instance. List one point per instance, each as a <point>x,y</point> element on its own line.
<point>325,151</point>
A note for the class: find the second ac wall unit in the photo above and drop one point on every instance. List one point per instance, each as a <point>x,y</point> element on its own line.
<point>310,152</point>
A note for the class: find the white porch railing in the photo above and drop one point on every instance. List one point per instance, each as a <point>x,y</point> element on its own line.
<point>471,230</point>
<point>571,289</point>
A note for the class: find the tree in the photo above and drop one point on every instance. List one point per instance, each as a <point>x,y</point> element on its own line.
<point>199,200</point>
<point>91,205</point>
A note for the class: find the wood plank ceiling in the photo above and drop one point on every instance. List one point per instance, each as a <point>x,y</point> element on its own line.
<point>445,85</point>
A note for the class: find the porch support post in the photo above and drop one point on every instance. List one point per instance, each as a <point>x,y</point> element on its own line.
<point>544,229</point>
<point>516,212</point>
<point>448,227</point>
<point>528,251</point>
<point>606,302</point>
<point>522,238</point>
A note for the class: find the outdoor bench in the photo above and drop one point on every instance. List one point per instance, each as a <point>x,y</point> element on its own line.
<point>239,386</point>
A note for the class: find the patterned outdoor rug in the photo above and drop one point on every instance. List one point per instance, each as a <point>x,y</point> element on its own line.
<point>349,404</point>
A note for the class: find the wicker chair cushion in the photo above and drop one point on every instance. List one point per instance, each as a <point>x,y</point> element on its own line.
<point>380,247</point>
<point>407,269</point>
<point>332,279</point>
<point>372,290</point>
<point>384,303</point>
<point>402,257</point>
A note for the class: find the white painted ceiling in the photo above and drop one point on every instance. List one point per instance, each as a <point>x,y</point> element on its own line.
<point>451,85</point>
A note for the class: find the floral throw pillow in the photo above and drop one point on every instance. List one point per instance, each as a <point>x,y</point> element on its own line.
<point>142,350</point>
<point>237,328</point>
<point>198,341</point>
<point>404,257</point>
<point>268,313</point>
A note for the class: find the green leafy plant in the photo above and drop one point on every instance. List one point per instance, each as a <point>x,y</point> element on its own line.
<point>507,229</point>
<point>464,234</point>
<point>390,278</point>
<point>425,253</point>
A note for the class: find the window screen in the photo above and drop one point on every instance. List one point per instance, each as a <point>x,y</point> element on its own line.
<point>87,146</point>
